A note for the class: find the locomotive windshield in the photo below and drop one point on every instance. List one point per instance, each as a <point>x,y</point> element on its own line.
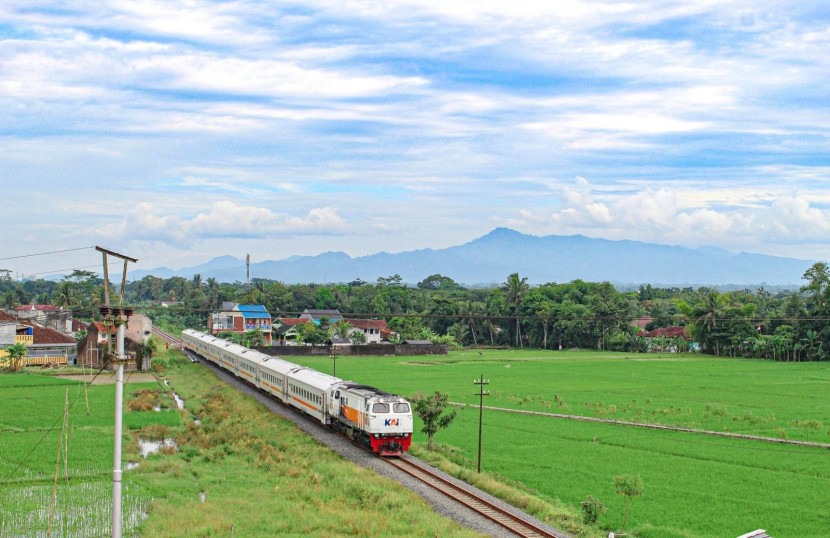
<point>401,407</point>
<point>380,408</point>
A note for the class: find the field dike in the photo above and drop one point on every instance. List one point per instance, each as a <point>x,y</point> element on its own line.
<point>647,425</point>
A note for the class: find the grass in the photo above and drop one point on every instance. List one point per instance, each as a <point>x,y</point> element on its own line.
<point>239,469</point>
<point>695,485</point>
<point>242,470</point>
<point>32,429</point>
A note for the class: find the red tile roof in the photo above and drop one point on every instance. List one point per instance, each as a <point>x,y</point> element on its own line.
<point>668,332</point>
<point>367,323</point>
<point>44,307</point>
<point>6,317</point>
<point>44,335</point>
<point>102,328</point>
<point>294,321</point>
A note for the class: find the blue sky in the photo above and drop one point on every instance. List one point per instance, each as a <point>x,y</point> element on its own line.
<point>177,131</point>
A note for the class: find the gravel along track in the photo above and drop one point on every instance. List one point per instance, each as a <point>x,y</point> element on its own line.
<point>440,502</point>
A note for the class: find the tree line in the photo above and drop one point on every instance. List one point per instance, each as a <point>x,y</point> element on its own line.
<point>786,325</point>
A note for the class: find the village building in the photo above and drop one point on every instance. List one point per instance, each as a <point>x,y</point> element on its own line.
<point>239,319</point>
<point>46,315</point>
<point>43,344</point>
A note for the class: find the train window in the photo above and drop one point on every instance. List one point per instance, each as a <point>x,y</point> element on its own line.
<point>337,395</point>
<point>380,408</point>
<point>401,407</point>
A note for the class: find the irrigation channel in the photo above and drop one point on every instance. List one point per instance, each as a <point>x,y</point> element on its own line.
<point>439,498</point>
<point>470,499</point>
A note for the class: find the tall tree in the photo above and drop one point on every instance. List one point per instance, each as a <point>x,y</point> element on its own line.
<point>516,288</point>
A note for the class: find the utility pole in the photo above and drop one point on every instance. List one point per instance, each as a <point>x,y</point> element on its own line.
<point>118,317</point>
<point>481,394</point>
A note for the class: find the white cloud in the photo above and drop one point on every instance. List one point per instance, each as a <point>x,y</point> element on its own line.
<point>655,216</point>
<point>229,220</point>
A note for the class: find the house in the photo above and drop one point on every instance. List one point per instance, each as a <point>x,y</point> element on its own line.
<point>43,344</point>
<point>372,329</point>
<point>8,332</point>
<point>46,315</point>
<point>668,334</point>
<point>241,318</point>
<point>286,329</point>
<point>50,346</point>
<point>316,316</point>
<point>93,350</point>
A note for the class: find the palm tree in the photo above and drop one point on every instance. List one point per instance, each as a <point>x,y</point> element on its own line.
<point>516,290</point>
<point>65,294</point>
<point>342,328</point>
<point>16,353</point>
<point>708,320</point>
<point>471,310</point>
<point>493,308</point>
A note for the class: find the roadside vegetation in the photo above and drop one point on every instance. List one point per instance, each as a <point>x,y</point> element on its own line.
<point>776,324</point>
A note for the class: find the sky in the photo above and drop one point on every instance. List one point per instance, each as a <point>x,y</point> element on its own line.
<point>177,131</point>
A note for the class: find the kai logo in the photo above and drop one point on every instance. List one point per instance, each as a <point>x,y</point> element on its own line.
<point>392,422</point>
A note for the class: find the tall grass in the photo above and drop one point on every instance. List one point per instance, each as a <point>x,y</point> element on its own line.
<point>695,485</point>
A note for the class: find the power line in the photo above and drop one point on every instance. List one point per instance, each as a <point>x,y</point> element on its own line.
<point>45,253</point>
<point>25,275</point>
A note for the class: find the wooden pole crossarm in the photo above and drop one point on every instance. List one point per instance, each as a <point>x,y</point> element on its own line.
<point>117,255</point>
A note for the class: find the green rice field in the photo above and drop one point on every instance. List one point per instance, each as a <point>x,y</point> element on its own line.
<point>36,446</point>
<point>694,484</point>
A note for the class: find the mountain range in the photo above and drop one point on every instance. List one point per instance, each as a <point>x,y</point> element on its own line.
<point>488,260</point>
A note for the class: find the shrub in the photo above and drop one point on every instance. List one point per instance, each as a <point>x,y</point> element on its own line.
<point>591,509</point>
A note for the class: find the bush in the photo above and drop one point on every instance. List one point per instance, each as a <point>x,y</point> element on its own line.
<point>591,509</point>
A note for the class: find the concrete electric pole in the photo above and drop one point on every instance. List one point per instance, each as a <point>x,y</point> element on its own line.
<point>116,317</point>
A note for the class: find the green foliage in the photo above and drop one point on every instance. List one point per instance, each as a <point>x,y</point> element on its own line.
<point>629,486</point>
<point>591,509</point>
<point>438,282</point>
<point>430,409</point>
<point>14,356</point>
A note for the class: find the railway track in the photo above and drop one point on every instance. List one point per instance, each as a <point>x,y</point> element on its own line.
<point>167,337</point>
<point>471,500</point>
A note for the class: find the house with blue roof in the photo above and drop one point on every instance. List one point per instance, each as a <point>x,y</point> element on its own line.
<point>239,318</point>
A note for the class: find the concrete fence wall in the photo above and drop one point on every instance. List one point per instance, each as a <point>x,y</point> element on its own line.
<point>357,350</point>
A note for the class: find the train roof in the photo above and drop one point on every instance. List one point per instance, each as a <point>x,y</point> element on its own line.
<point>312,377</point>
<point>358,387</point>
<point>277,365</point>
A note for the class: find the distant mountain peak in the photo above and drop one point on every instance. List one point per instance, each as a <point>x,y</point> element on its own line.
<point>489,259</point>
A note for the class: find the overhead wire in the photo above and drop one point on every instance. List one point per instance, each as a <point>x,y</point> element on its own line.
<point>45,253</point>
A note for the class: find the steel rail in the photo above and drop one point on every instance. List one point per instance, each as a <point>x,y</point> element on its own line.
<point>471,500</point>
<point>167,337</point>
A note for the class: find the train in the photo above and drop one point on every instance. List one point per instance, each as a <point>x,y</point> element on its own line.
<point>377,420</point>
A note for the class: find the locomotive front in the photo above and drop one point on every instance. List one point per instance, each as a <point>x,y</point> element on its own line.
<point>389,424</point>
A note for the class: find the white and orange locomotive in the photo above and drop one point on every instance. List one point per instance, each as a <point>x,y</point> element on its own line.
<point>375,419</point>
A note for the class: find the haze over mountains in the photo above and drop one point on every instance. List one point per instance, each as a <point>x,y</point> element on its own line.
<point>489,259</point>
